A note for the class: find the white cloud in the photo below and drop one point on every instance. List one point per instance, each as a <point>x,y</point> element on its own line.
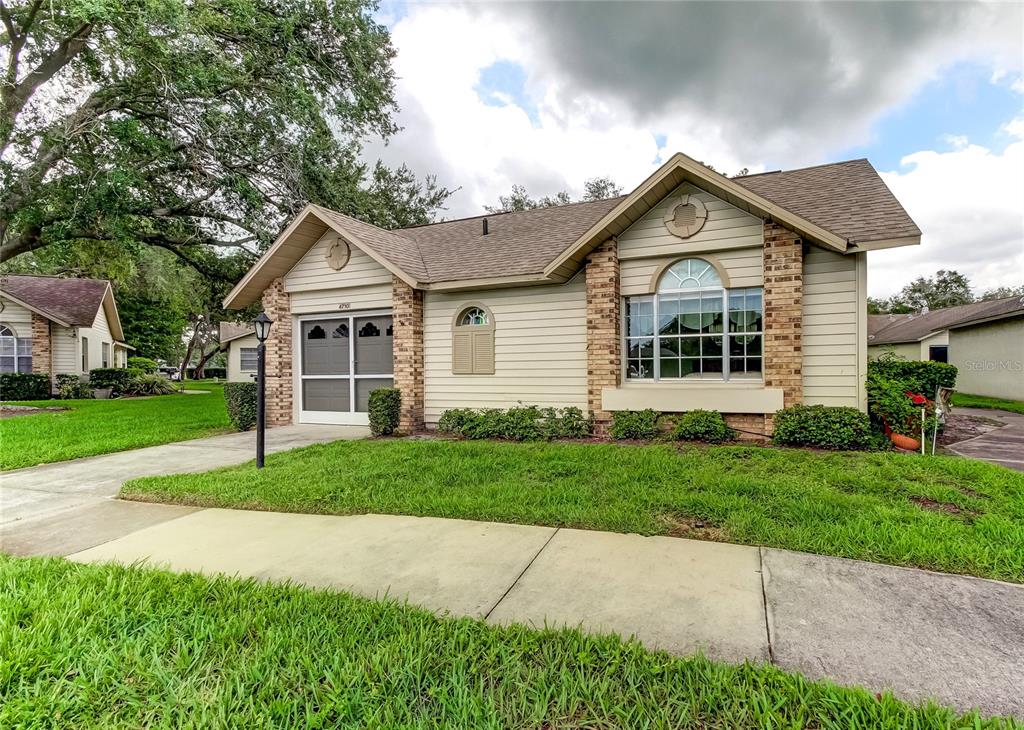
<point>968,204</point>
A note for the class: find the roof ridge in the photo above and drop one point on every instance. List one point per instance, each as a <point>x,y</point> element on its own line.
<point>511,212</point>
<point>55,278</point>
<point>801,169</point>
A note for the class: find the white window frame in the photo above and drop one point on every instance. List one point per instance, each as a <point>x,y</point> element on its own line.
<point>726,375</point>
<point>18,345</point>
<point>345,418</point>
<point>105,354</point>
<point>242,356</point>
<point>85,354</point>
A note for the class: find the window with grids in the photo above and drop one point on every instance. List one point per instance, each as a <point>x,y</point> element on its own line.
<point>247,359</point>
<point>473,342</point>
<point>15,352</point>
<point>694,328</point>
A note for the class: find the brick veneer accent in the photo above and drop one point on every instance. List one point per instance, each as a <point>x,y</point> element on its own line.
<point>604,346</point>
<point>279,355</point>
<point>407,304</point>
<point>783,302</point>
<point>748,426</point>
<point>42,349</point>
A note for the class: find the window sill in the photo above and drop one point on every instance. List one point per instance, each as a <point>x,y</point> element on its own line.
<point>726,397</point>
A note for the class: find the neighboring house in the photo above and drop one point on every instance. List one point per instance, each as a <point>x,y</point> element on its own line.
<point>241,348</point>
<point>53,325</point>
<point>742,295</point>
<point>988,350</point>
<point>985,340</point>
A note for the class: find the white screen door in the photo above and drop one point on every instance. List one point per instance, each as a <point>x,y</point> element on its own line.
<point>342,360</point>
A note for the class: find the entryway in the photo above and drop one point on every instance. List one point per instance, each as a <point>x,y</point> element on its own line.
<point>342,359</point>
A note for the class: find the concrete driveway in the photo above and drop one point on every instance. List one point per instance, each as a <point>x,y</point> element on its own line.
<point>1003,446</point>
<point>66,506</point>
<point>923,635</point>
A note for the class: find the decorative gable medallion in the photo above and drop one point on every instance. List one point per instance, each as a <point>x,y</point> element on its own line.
<point>338,254</point>
<point>685,216</point>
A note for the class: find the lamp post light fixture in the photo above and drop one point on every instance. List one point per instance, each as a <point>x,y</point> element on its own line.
<point>262,326</point>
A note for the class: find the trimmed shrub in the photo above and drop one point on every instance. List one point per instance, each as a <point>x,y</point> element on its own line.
<point>71,387</point>
<point>524,423</point>
<point>824,427</point>
<point>150,384</point>
<point>701,425</point>
<point>117,379</point>
<point>24,386</point>
<point>922,377</point>
<point>241,403</point>
<point>385,406</point>
<point>144,364</point>
<point>567,423</point>
<point>635,424</point>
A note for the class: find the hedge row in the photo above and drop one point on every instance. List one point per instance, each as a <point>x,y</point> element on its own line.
<point>24,386</point>
<point>526,423</point>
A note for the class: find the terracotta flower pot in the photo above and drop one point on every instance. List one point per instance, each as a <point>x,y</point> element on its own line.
<point>904,442</point>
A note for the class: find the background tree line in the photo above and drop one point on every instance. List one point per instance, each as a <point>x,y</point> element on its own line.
<point>944,289</point>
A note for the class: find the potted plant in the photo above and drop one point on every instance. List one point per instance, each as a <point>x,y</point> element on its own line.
<point>901,413</point>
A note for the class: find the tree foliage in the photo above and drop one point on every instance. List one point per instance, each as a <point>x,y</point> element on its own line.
<point>192,125</point>
<point>597,188</point>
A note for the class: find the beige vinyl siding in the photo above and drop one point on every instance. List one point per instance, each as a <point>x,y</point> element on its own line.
<point>97,335</point>
<point>64,349</point>
<point>989,359</point>
<point>341,300</point>
<point>907,350</point>
<point>235,372</point>
<point>727,227</point>
<point>17,317</point>
<point>540,349</point>
<point>832,327</point>
<point>312,271</point>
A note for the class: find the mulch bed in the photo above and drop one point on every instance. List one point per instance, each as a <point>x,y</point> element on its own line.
<point>7,411</point>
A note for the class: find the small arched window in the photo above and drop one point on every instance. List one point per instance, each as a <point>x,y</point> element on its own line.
<point>473,342</point>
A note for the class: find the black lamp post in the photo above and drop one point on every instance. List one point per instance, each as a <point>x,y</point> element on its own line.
<point>262,326</point>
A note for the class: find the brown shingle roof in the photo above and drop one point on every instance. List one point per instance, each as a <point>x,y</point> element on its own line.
<point>891,329</point>
<point>73,301</point>
<point>516,243</point>
<point>848,198</point>
<point>232,330</point>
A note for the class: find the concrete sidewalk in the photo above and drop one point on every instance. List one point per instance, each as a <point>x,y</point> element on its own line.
<point>1003,446</point>
<point>43,507</point>
<point>954,639</point>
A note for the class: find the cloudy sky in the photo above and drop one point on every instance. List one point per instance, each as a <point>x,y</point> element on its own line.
<point>547,95</point>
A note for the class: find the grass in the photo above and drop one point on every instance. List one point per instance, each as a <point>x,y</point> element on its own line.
<point>91,427</point>
<point>969,517</point>
<point>966,400</point>
<point>119,647</point>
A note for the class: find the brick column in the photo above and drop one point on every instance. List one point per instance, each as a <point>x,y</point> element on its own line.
<point>279,355</point>
<point>604,357</point>
<point>407,304</point>
<point>783,316</point>
<point>42,348</point>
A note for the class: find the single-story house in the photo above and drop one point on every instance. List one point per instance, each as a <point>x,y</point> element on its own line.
<point>240,340</point>
<point>985,340</point>
<point>742,295</point>
<point>988,350</point>
<point>55,325</point>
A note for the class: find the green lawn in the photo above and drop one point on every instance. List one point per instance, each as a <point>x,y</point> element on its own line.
<point>109,646</point>
<point>969,517</point>
<point>966,400</point>
<point>92,427</point>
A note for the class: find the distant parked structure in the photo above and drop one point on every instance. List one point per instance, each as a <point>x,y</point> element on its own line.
<point>985,340</point>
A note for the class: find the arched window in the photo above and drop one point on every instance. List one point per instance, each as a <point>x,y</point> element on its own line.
<point>473,341</point>
<point>693,327</point>
<point>15,352</point>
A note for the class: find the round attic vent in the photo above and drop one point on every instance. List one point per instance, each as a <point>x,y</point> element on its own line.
<point>685,216</point>
<point>338,254</point>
